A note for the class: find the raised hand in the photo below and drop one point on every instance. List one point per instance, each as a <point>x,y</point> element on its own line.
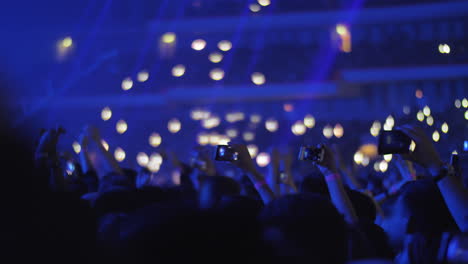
<point>244,160</point>
<point>425,153</point>
<point>328,164</point>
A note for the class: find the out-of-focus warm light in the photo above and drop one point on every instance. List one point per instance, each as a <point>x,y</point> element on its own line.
<point>225,45</point>
<point>298,128</point>
<point>466,114</point>
<point>153,166</point>
<point>198,44</point>
<point>427,111</point>
<point>121,126</point>
<point>254,8</point>
<point>406,110</point>
<point>455,152</point>
<point>119,154</point>
<point>420,116</point>
<point>255,118</point>
<point>199,114</point>
<point>105,145</point>
<point>67,42</point>
<point>374,131</point>
<point>271,125</point>
<point>76,147</point>
<point>234,117</point>
<point>365,161</point>
<point>465,103</point>
<point>214,139</point>
<point>390,121</point>
<point>377,125</point>
<point>263,159</point>
<point>217,74</point>
<point>457,103</point>
<point>142,159</point>
<point>430,120</point>
<point>436,136</point>
<point>288,107</point>
<point>174,125</point>
<point>376,166</point>
<point>224,140</point>
<point>258,78</point>
<point>309,121</point>
<point>168,38</point>
<point>341,29</point>
<point>444,48</point>
<point>412,146</point>
<point>358,157</point>
<point>231,132</point>
<point>388,157</point>
<point>369,150</point>
<point>264,2</point>
<point>253,150</point>
<point>383,166</point>
<point>248,136</point>
<point>338,130</point>
<point>155,140</point>
<point>127,84</point>
<point>216,57</point>
<point>157,158</point>
<point>419,94</point>
<point>203,139</point>
<point>328,131</point>
<point>143,76</point>
<point>387,127</point>
<point>178,70</point>
<point>211,122</point>
<point>106,113</point>
<point>445,128</point>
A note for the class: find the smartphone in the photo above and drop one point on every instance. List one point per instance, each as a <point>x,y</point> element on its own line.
<point>315,154</point>
<point>226,153</point>
<point>394,142</point>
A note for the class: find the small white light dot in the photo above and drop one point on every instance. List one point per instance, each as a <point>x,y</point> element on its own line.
<point>119,154</point>
<point>263,159</point>
<point>143,76</point>
<point>127,84</point>
<point>225,45</point>
<point>174,125</point>
<point>168,38</point>
<point>178,70</point>
<point>76,147</point>
<point>216,57</point>
<point>121,126</point>
<point>271,125</point>
<point>155,140</point>
<point>142,159</point>
<point>217,74</point>
<point>198,44</point>
<point>309,121</point>
<point>258,78</point>
<point>106,113</point>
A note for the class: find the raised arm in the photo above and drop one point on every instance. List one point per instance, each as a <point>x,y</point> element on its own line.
<point>85,160</point>
<point>335,185</point>
<point>246,163</point>
<point>109,162</point>
<point>455,196</point>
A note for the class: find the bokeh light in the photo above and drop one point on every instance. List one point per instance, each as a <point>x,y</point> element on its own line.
<point>214,139</point>
<point>106,113</point>
<point>224,140</point>
<point>168,38</point>
<point>155,140</point>
<point>217,74</point>
<point>231,132</point>
<point>420,116</point>
<point>119,154</point>
<point>143,76</point>
<point>234,117</point>
<point>271,125</point>
<point>263,159</point>
<point>406,110</point>
<point>76,147</point>
<point>419,94</point>
<point>156,158</point>
<point>436,136</point>
<point>248,136</point>
<point>383,166</point>
<point>309,121</point>
<point>174,125</point>
<point>254,8</point>
<point>342,29</point>
<point>430,120</point>
<point>358,157</point>
<point>178,70</point>
<point>203,139</point>
<point>105,145</point>
<point>466,114</point>
<point>127,84</point>
<point>264,2</point>
<point>390,122</point>
<point>225,45</point>
<point>211,122</point>
<point>465,103</point>
<point>298,128</point>
<point>288,107</point>
<point>142,159</point>
<point>338,131</point>
<point>199,114</point>
<point>258,78</point>
<point>67,42</point>
<point>365,161</point>
<point>457,103</point>
<point>444,48</point>
<point>121,126</point>
<point>216,57</point>
<point>427,111</point>
<point>255,118</point>
<point>328,131</point>
<point>198,44</point>
<point>445,128</point>
<point>388,157</point>
<point>253,150</point>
